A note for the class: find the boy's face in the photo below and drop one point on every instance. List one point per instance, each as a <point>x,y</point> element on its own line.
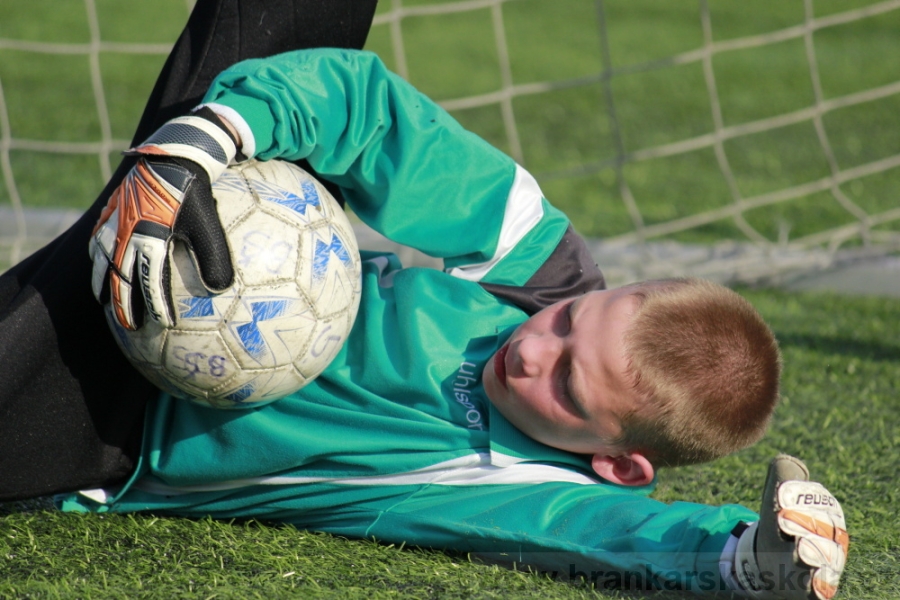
<point>562,376</point>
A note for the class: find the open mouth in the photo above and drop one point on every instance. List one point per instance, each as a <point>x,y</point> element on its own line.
<point>500,364</point>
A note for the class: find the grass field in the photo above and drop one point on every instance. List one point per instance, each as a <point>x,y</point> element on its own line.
<point>839,413</point>
<point>842,356</point>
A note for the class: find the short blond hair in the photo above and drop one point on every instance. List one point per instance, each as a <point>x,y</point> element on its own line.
<point>705,364</point>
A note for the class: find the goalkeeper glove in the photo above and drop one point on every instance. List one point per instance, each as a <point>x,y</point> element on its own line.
<point>167,195</point>
<point>798,548</point>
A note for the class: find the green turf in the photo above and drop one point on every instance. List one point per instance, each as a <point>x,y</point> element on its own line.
<point>839,413</point>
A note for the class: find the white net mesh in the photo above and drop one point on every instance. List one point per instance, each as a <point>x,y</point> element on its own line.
<point>741,143</point>
<point>34,91</point>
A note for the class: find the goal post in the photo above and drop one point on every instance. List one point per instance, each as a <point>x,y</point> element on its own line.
<point>740,142</point>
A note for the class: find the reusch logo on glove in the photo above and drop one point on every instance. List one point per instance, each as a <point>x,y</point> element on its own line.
<point>816,500</point>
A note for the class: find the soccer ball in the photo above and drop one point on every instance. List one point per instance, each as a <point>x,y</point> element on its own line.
<point>293,303</point>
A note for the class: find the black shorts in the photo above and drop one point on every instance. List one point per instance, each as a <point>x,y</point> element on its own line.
<point>71,406</point>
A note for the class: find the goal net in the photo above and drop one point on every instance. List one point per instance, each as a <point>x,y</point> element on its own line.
<point>743,142</point>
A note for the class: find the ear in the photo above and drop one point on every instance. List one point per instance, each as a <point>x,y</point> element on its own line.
<point>630,468</point>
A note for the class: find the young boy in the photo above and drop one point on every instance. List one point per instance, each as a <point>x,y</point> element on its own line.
<point>451,418</point>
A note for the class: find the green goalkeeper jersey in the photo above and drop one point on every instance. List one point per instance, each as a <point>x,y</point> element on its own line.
<point>396,439</point>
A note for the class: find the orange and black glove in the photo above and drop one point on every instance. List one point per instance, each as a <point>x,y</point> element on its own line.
<point>166,196</point>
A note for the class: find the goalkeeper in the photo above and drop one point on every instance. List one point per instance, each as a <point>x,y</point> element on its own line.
<point>491,433</point>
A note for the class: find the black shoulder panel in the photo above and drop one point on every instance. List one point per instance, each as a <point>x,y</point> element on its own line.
<point>569,271</point>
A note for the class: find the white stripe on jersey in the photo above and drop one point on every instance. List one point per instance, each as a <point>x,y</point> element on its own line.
<point>474,469</point>
<point>523,211</point>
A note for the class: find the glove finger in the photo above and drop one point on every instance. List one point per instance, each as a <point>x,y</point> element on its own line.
<point>108,212</point>
<point>100,249</point>
<point>799,524</point>
<point>151,256</point>
<point>199,226</point>
<point>107,283</point>
<point>121,300</point>
<point>99,275</point>
<point>104,236</point>
<point>138,306</point>
<point>825,583</point>
<point>816,551</point>
<point>824,523</point>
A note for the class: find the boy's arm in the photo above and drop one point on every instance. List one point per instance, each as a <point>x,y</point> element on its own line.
<point>404,165</point>
<point>546,517</point>
<point>795,550</point>
<point>524,514</point>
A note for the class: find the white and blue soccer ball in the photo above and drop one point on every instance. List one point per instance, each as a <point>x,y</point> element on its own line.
<point>293,303</point>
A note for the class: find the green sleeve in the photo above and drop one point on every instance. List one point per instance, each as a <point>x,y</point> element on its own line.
<point>569,528</point>
<point>563,526</point>
<point>406,167</point>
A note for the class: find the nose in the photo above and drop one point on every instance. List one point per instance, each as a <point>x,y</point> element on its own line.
<point>537,353</point>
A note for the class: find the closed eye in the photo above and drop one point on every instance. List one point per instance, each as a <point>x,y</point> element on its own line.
<point>563,321</point>
<point>565,375</point>
<point>568,397</point>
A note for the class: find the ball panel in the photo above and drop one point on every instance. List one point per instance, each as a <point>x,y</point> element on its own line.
<point>158,377</point>
<point>251,389</point>
<point>291,192</point>
<point>198,361</point>
<point>233,196</point>
<point>326,342</point>
<point>195,308</point>
<point>330,269</point>
<point>144,349</point>
<point>270,327</point>
<point>202,313</point>
<point>144,346</point>
<point>264,249</point>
